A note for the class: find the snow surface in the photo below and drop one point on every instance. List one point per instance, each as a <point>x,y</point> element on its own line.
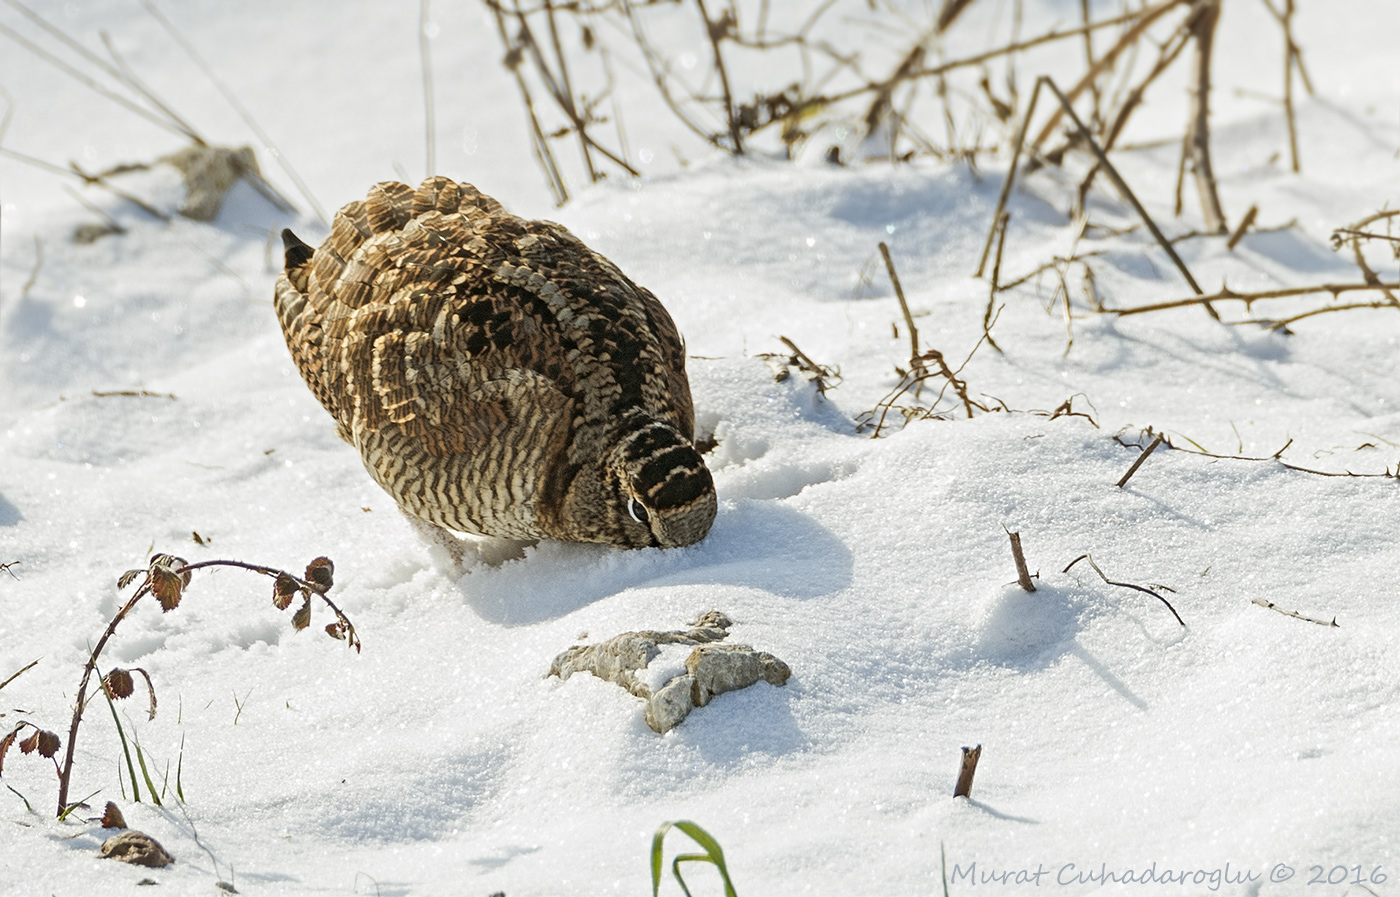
<point>442,761</point>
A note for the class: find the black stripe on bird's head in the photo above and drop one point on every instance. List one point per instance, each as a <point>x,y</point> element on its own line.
<point>667,486</point>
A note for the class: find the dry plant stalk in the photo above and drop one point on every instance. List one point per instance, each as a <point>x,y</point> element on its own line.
<point>1023,573</point>
<point>166,578</point>
<point>903,307</point>
<point>1242,228</point>
<point>966,771</point>
<point>915,379</point>
<point>1294,614</point>
<point>1127,585</point>
<point>988,315</point>
<point>1140,458</point>
<point>1206,15</point>
<point>1128,194</point>
<point>1336,289</point>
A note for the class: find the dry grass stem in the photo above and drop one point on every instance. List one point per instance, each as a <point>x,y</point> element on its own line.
<point>425,59</point>
<point>22,670</point>
<point>1294,614</point>
<point>1276,457</point>
<point>1140,458</point>
<point>966,771</point>
<point>716,31</point>
<point>238,108</point>
<point>903,307</point>
<point>1336,289</point>
<point>1016,148</point>
<point>1128,194</point>
<point>988,314</point>
<point>1141,21</point>
<point>1206,15</point>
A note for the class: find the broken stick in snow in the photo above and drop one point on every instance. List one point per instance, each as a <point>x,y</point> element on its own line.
<point>1290,613</point>
<point>1023,573</point>
<point>1141,458</point>
<point>970,756</point>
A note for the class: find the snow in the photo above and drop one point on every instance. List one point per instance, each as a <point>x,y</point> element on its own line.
<point>442,760</point>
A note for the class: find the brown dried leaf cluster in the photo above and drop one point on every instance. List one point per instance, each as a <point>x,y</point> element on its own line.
<point>40,741</point>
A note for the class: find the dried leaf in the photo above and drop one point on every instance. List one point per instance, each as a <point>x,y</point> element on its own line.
<point>284,589</point>
<point>119,684</point>
<point>112,817</point>
<point>166,586</point>
<point>5,746</point>
<point>125,579</point>
<point>320,572</point>
<point>302,618</point>
<point>150,690</point>
<point>171,563</point>
<point>45,742</point>
<point>48,744</point>
<point>336,630</point>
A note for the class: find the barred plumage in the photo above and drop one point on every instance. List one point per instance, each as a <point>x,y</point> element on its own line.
<point>496,375</point>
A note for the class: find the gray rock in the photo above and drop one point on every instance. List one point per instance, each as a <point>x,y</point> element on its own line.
<point>137,848</point>
<point>712,669</point>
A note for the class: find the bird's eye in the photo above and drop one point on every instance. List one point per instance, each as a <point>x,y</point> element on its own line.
<point>638,511</point>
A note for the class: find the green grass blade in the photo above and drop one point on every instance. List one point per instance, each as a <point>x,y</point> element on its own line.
<point>686,857</point>
<point>130,768</point>
<point>21,797</point>
<point>656,857</point>
<point>145,774</point>
<point>179,765</point>
<point>713,854</point>
<point>76,804</point>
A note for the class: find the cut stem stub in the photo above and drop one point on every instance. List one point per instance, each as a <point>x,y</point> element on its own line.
<point>970,756</point>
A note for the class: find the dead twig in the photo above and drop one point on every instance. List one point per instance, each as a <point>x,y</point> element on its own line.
<point>716,31</point>
<point>824,377</point>
<point>1023,573</point>
<point>970,756</point>
<point>1335,289</point>
<point>238,107</point>
<point>1140,458</point>
<point>144,393</point>
<point>1128,193</point>
<point>539,142</point>
<point>1127,585</point>
<point>24,669</point>
<point>1141,21</point>
<point>1241,228</point>
<point>1276,457</point>
<point>1198,132</point>
<point>425,60</point>
<point>1294,614</point>
<point>903,306</point>
<point>987,314</point>
<point>1010,178</point>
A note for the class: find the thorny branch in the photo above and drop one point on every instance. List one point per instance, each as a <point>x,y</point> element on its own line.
<point>1127,585</point>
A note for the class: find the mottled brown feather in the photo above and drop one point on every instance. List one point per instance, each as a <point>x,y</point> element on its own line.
<point>496,374</point>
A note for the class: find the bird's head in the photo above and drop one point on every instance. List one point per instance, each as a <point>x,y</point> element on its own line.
<point>662,492</point>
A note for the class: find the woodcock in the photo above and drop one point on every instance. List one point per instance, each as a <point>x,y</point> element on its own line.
<point>496,375</point>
